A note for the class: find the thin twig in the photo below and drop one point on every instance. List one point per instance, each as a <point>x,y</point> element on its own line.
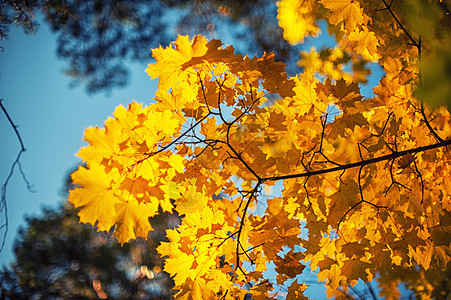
<point>14,126</point>
<point>437,137</point>
<point>388,7</point>
<point>3,202</point>
<point>240,229</point>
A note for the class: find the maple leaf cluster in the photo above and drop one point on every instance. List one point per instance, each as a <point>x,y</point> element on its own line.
<point>361,194</point>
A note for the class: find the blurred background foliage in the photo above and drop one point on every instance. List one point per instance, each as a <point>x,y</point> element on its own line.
<point>98,38</point>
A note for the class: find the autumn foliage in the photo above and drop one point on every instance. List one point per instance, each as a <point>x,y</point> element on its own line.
<point>361,186</point>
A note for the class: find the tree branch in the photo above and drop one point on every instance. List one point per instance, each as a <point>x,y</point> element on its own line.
<point>437,137</point>
<point>240,229</point>
<point>388,7</point>
<point>13,126</point>
<point>361,163</point>
<point>3,202</point>
<point>174,141</point>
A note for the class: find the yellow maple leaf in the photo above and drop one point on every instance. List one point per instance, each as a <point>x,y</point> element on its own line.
<point>132,219</point>
<point>176,161</point>
<point>161,125</point>
<point>96,198</point>
<point>179,265</point>
<point>333,276</point>
<point>354,269</point>
<point>128,118</point>
<point>181,96</point>
<point>422,255</point>
<point>305,97</point>
<point>347,11</point>
<point>365,43</point>
<point>191,200</point>
<point>202,291</point>
<point>104,143</point>
<point>169,61</point>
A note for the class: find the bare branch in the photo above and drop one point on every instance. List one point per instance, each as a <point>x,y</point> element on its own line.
<point>388,7</point>
<point>391,156</point>
<point>13,126</point>
<point>240,229</point>
<point>418,173</point>
<point>425,119</point>
<point>3,202</point>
